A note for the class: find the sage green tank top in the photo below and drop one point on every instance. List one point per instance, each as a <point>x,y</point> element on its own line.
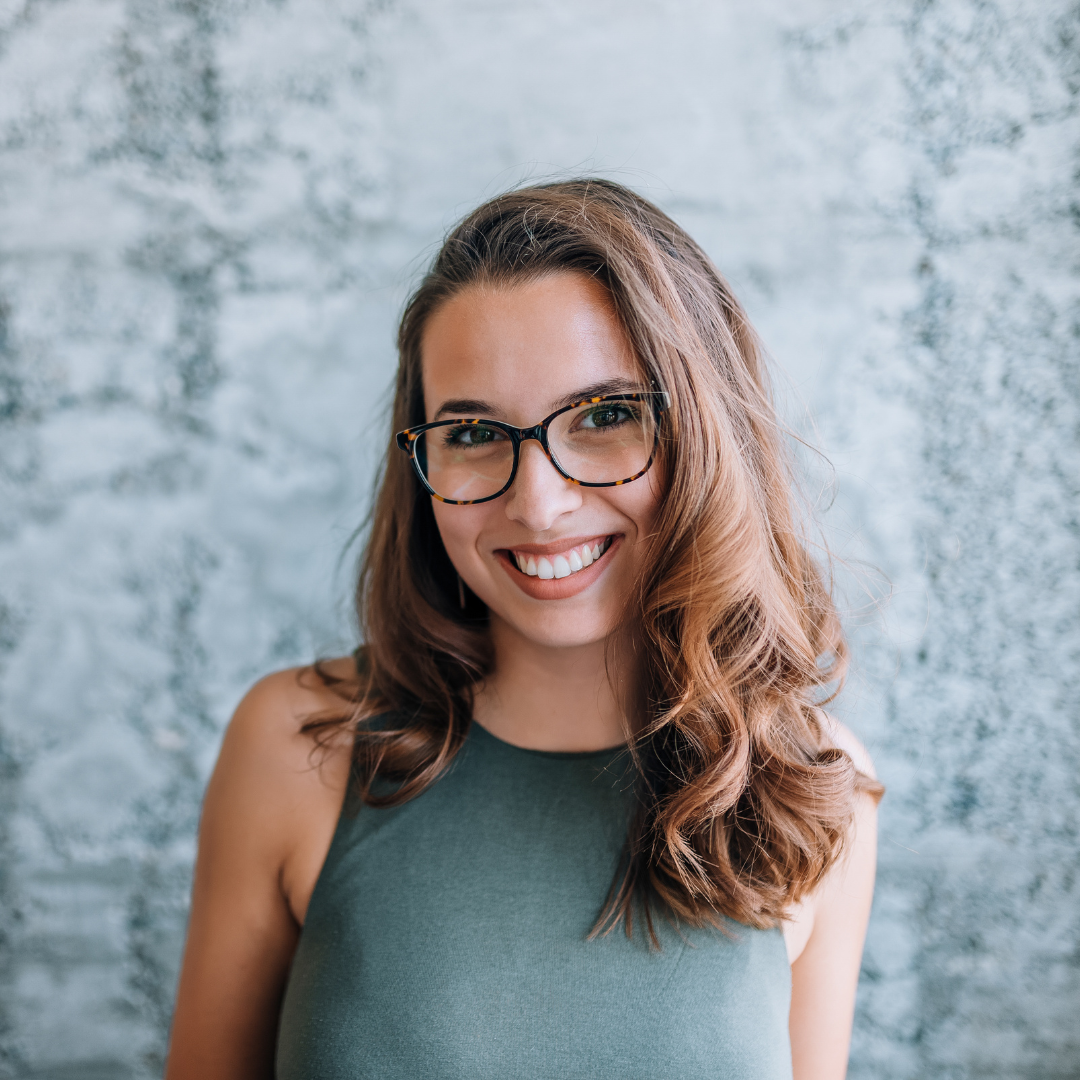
<point>447,938</point>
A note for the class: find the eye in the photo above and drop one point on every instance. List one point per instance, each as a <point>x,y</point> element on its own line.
<point>472,435</point>
<point>607,416</point>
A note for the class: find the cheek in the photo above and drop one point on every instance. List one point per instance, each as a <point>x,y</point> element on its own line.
<point>640,502</point>
<point>459,527</point>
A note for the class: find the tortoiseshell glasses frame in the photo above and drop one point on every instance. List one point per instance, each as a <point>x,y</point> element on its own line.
<point>657,400</point>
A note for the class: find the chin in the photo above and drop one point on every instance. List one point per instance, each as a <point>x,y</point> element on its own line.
<point>556,630</point>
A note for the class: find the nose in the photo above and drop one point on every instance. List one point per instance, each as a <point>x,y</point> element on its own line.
<point>539,494</point>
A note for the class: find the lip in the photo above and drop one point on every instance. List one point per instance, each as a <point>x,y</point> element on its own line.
<point>557,588</point>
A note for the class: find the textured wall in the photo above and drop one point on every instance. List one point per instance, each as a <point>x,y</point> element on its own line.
<point>209,216</point>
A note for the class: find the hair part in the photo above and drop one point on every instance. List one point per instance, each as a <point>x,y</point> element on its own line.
<point>743,803</point>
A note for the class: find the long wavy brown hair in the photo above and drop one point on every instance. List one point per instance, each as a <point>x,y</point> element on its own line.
<point>743,802</point>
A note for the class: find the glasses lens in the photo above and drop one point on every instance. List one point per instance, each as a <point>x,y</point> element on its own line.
<point>465,462</point>
<point>604,442</point>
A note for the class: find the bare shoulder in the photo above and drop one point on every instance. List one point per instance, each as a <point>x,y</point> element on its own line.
<point>268,722</point>
<point>275,793</point>
<point>843,738</point>
<point>854,870</point>
<point>266,744</point>
<point>852,875</point>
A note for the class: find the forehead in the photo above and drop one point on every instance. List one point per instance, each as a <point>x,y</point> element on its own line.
<point>523,347</point>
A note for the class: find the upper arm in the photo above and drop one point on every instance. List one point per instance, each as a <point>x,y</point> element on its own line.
<point>825,974</point>
<point>241,932</point>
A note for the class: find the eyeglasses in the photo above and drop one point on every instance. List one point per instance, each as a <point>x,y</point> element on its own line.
<point>599,442</point>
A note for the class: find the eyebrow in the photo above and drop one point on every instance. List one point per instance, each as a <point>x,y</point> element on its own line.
<point>474,407</point>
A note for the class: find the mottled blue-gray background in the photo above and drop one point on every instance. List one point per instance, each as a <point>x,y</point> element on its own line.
<point>210,213</point>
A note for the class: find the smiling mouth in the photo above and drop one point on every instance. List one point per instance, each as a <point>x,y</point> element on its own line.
<point>561,565</point>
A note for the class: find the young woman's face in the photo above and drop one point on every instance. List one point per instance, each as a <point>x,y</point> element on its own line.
<point>517,354</point>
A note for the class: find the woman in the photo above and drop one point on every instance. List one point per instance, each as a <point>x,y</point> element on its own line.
<point>575,808</point>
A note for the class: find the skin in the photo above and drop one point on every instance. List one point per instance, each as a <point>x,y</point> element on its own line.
<point>271,808</point>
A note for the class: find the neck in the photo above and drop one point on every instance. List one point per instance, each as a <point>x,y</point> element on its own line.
<point>548,698</point>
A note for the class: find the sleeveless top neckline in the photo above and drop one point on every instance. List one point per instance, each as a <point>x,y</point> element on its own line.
<point>613,752</point>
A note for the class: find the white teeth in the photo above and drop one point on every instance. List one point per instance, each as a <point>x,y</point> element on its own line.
<point>560,566</point>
